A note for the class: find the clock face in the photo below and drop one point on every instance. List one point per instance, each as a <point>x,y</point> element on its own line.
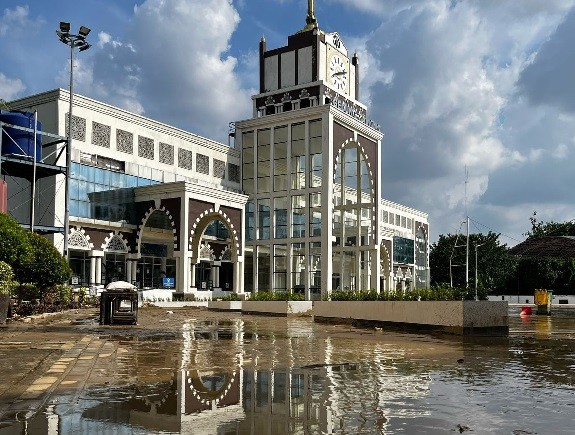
<point>338,74</point>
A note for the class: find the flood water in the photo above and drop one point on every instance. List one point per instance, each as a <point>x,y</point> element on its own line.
<point>259,375</point>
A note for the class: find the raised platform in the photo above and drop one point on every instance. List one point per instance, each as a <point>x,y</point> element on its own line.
<point>454,317</point>
<point>278,308</point>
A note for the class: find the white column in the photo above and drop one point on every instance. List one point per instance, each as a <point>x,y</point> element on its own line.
<point>93,271</point>
<point>375,269</point>
<point>190,268</point>
<point>134,266</point>
<point>98,270</point>
<point>238,279</point>
<point>193,273</point>
<point>129,271</point>
<point>217,265</point>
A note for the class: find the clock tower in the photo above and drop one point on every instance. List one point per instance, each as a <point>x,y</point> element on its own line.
<point>311,166</point>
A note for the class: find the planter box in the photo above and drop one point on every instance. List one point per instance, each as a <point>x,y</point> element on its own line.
<point>225,305</point>
<point>457,317</point>
<point>278,308</point>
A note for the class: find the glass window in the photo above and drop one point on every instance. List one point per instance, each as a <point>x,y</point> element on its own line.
<point>264,219</point>
<point>264,271</point>
<point>281,213</point>
<point>316,170</point>
<point>315,267</point>
<point>250,221</point>
<point>403,250</point>
<point>315,214</point>
<point>298,131</point>
<point>248,147</point>
<point>298,267</point>
<point>264,185</point>
<point>249,268</point>
<point>280,267</point>
<point>298,216</point>
<point>298,172</point>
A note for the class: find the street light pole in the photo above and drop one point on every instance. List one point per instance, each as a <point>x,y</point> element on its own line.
<point>477,245</point>
<point>73,41</point>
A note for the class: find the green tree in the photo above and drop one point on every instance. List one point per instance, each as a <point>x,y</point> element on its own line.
<point>15,247</point>
<point>535,272</point>
<point>495,267</point>
<point>48,267</point>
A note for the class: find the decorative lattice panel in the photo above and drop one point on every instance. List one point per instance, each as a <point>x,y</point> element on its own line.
<point>219,168</point>
<point>166,153</point>
<point>184,159</point>
<point>202,164</point>
<point>101,134</point>
<point>78,240</point>
<point>145,147</point>
<point>234,172</point>
<point>117,244</point>
<point>78,127</point>
<point>124,141</point>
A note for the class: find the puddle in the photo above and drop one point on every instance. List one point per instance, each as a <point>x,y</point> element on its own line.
<point>283,376</point>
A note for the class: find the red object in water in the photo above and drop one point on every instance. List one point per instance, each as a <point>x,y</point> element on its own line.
<point>526,311</point>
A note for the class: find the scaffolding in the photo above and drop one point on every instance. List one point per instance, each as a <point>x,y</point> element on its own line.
<point>31,168</point>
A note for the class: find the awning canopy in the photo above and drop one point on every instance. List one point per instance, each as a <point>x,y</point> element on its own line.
<point>546,246</point>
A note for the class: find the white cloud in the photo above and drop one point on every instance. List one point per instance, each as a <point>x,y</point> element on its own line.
<point>173,65</point>
<point>10,89</point>
<point>442,80</point>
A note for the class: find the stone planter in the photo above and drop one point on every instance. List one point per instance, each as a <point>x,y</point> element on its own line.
<point>456,317</point>
<point>278,308</point>
<point>4,305</point>
<point>225,305</point>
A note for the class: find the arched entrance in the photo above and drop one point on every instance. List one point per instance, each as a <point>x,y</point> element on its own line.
<point>214,246</point>
<point>156,250</point>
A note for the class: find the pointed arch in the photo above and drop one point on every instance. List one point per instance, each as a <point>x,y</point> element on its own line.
<point>363,157</point>
<point>142,225</point>
<point>200,225</point>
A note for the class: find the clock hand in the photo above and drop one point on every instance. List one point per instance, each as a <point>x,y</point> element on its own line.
<point>341,73</point>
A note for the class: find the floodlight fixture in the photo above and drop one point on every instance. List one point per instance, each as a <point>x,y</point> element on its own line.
<point>84,31</point>
<point>64,27</point>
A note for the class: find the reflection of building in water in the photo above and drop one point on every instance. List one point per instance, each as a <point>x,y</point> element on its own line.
<point>223,379</point>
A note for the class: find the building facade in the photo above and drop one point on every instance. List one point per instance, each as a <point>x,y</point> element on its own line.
<point>295,205</point>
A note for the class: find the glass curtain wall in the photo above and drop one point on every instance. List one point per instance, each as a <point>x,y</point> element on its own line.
<point>354,226</point>
<point>420,259</point>
<point>286,164</point>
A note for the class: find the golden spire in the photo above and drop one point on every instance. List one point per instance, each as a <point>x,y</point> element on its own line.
<point>311,21</point>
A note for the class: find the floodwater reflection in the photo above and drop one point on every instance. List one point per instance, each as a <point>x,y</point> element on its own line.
<point>290,376</point>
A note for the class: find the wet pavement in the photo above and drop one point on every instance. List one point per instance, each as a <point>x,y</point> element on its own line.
<point>200,372</point>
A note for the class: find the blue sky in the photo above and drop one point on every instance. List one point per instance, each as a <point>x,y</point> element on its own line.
<point>485,85</point>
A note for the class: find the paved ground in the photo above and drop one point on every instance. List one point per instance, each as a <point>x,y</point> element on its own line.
<point>66,352</point>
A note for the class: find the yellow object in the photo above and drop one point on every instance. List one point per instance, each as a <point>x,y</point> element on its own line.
<point>541,297</point>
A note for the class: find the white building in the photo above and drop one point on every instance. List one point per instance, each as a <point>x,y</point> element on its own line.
<point>296,205</point>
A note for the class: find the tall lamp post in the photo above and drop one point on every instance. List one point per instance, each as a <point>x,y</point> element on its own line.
<point>73,41</point>
<point>477,245</point>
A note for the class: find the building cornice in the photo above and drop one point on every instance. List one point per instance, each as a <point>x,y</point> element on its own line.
<point>395,206</point>
<point>123,115</point>
<point>179,188</point>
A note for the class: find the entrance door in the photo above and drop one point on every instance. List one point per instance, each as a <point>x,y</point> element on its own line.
<point>204,276</point>
<point>227,276</point>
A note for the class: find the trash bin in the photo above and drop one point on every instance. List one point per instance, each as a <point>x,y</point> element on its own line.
<point>542,299</point>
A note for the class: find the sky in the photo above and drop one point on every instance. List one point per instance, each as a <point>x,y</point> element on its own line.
<point>475,98</point>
